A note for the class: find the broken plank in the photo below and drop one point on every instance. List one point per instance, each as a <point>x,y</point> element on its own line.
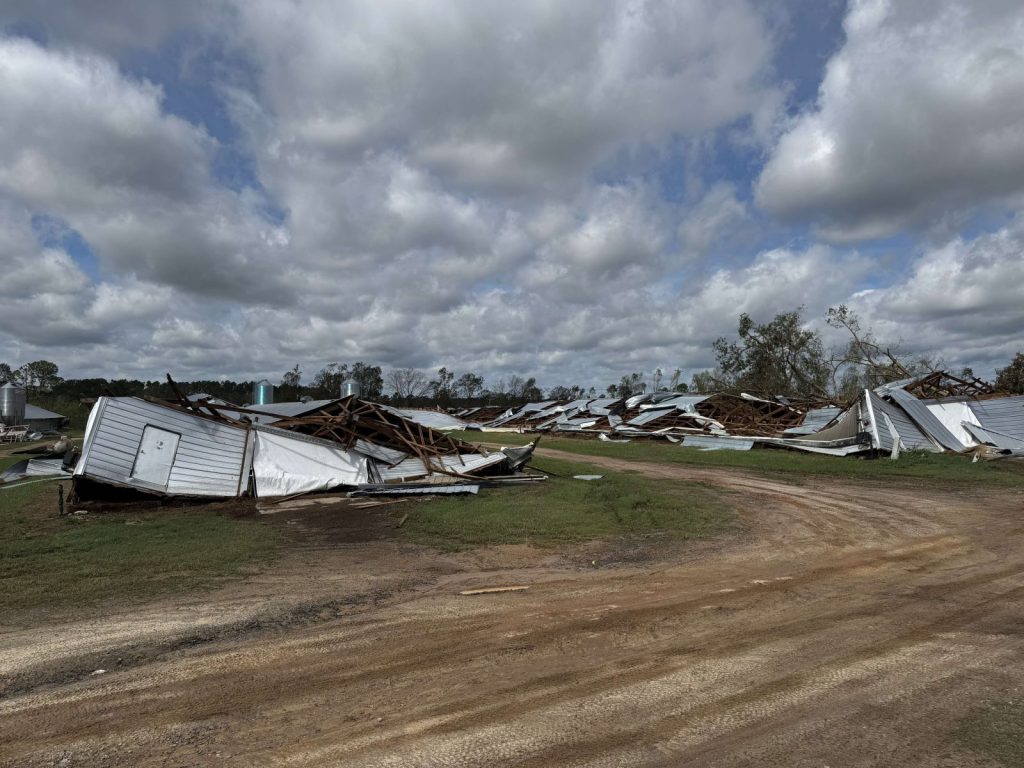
<point>491,590</point>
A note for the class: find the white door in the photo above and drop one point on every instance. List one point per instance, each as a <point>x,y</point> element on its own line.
<point>156,456</point>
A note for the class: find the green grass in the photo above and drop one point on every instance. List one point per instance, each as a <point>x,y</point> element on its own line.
<point>996,731</point>
<point>47,561</point>
<point>562,509</point>
<point>942,468</point>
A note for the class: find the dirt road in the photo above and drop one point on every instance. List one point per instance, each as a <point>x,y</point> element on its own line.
<point>848,625</point>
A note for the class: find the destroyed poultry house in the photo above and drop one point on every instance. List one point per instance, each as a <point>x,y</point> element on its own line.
<point>205,448</point>
<point>938,412</point>
<point>201,447</point>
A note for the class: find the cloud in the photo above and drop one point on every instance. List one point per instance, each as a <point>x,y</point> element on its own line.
<point>719,217</point>
<point>89,145</point>
<point>919,117</point>
<point>498,97</point>
<point>608,237</point>
<point>112,26</point>
<point>77,135</point>
<point>556,190</point>
<point>961,301</point>
<point>46,300</point>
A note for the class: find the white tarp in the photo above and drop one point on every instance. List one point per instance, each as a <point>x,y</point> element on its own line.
<point>285,464</point>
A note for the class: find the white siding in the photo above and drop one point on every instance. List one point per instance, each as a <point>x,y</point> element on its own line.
<point>211,458</point>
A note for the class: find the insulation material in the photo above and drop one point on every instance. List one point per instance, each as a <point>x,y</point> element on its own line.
<point>953,416</point>
<point>288,464</point>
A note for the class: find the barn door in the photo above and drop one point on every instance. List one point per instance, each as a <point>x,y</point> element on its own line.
<point>156,456</point>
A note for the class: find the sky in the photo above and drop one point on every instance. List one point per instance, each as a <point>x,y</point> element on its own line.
<point>567,190</point>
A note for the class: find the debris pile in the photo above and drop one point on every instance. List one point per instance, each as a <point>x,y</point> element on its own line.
<point>481,414</point>
<point>664,414</point>
<point>938,412</point>
<point>197,446</point>
<point>204,448</point>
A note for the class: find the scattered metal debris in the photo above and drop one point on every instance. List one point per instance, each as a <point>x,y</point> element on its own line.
<point>936,413</point>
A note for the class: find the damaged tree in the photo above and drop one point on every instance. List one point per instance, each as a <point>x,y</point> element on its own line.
<point>866,362</point>
<point>780,357</point>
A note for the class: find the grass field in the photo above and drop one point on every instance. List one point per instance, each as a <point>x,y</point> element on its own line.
<point>944,468</point>
<point>562,509</point>
<point>49,561</point>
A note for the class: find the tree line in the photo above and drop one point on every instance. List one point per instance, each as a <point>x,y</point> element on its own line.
<point>780,357</point>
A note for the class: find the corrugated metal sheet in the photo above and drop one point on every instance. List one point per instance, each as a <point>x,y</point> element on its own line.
<point>211,459</point>
<point>983,435</point>
<point>815,420</point>
<point>526,409</point>
<point>420,490</point>
<point>413,468</point>
<point>432,419</point>
<point>549,414</point>
<point>756,399</point>
<point>885,389</point>
<point>1004,415</point>
<point>636,400</point>
<point>575,405</point>
<point>911,436</point>
<point>279,411</point>
<point>33,468</point>
<point>846,450</point>
<point>651,414</point>
<point>602,406</point>
<point>925,419</point>
<point>686,403</point>
<point>379,452</point>
<point>715,443</point>
<point>575,425</point>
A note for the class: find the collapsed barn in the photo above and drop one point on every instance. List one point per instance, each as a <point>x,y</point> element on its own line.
<point>938,412</point>
<point>202,448</point>
<point>197,446</point>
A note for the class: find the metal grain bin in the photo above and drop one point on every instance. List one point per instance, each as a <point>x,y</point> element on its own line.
<point>351,387</point>
<point>12,405</point>
<point>262,393</point>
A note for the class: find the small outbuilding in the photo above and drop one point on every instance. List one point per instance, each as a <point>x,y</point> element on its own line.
<point>41,420</point>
